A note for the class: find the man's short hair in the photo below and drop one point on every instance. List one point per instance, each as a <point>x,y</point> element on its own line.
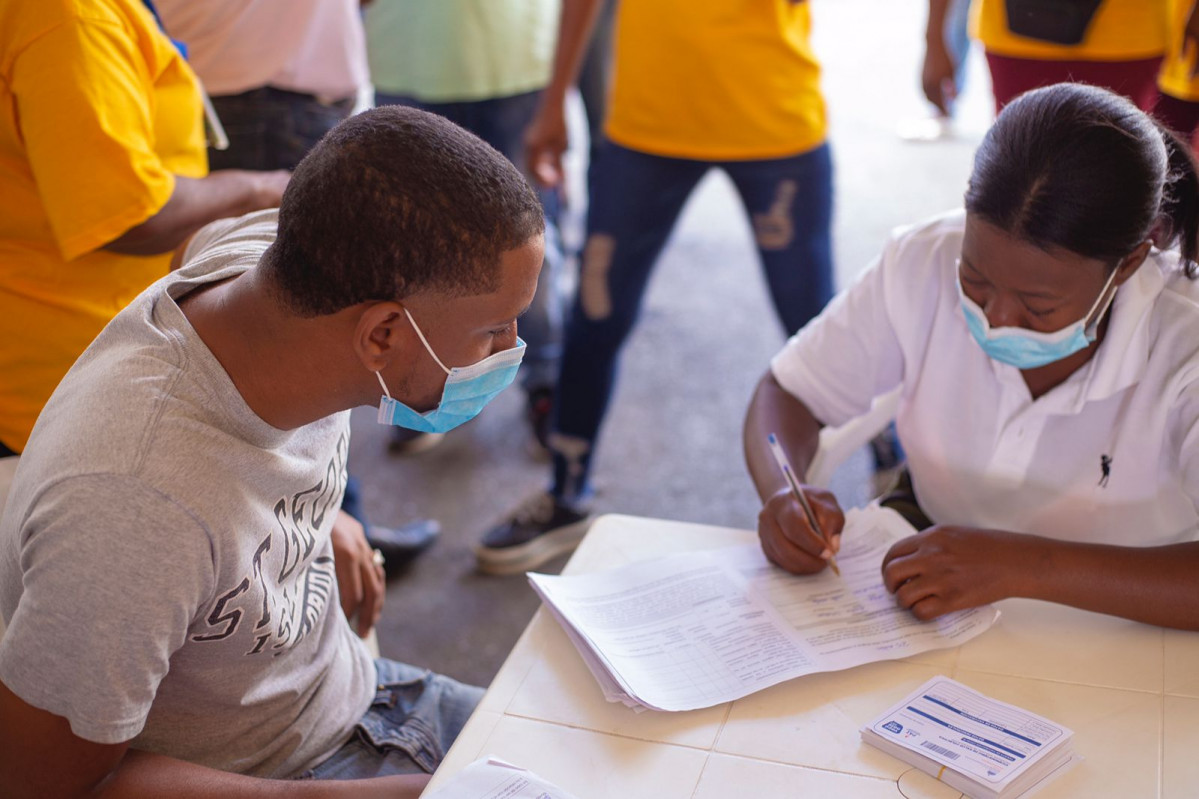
<point>394,202</point>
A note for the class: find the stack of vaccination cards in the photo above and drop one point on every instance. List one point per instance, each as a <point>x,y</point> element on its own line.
<point>984,748</point>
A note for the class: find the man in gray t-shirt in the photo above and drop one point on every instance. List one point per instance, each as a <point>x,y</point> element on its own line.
<point>169,559</point>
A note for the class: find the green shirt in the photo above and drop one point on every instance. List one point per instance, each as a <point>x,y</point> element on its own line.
<point>441,51</point>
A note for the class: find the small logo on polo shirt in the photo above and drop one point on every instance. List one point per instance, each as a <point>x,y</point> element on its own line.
<point>1105,468</point>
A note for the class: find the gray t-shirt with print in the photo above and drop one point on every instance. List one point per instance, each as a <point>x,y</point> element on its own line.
<point>166,571</point>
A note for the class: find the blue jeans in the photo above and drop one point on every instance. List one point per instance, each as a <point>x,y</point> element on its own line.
<point>501,122</point>
<point>351,501</point>
<point>635,200</point>
<point>271,128</point>
<point>411,724</point>
<point>957,40</point>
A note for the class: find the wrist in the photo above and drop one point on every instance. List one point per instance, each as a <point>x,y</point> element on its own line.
<point>1031,569</point>
<point>553,99</point>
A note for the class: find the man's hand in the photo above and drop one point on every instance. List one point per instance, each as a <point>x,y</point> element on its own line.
<point>946,568</point>
<point>545,141</point>
<point>787,538</point>
<point>936,76</point>
<point>359,578</point>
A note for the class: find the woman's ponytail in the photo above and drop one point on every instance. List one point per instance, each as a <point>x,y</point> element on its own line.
<point>1180,201</point>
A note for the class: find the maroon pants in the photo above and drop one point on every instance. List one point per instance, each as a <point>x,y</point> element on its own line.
<point>1136,80</point>
<point>1180,116</point>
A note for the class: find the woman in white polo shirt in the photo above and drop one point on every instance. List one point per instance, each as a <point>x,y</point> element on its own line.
<point>1047,355</point>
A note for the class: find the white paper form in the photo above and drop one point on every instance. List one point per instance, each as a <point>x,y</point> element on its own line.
<point>991,742</point>
<point>702,628</point>
<point>492,778</point>
<point>614,691</point>
<point>679,633</point>
<point>852,619</point>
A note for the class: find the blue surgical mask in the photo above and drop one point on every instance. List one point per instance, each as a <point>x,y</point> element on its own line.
<point>1029,349</point>
<point>467,390</point>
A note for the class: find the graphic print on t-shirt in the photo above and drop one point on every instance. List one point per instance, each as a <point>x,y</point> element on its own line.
<point>290,578</point>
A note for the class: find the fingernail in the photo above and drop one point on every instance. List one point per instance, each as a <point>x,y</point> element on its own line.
<point>836,543</point>
<point>826,554</point>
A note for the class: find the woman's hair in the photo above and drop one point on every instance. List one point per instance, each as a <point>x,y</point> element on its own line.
<point>1083,169</point>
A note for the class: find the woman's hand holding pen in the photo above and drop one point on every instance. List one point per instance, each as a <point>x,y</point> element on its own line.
<point>946,568</point>
<point>787,538</point>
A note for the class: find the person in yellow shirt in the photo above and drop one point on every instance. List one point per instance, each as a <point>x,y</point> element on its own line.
<point>1178,85</point>
<point>696,85</point>
<point>102,174</point>
<point>1115,44</point>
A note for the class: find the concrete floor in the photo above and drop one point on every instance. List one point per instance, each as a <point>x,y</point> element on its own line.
<point>671,446</point>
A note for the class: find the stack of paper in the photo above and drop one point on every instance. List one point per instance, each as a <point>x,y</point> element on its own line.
<point>493,778</point>
<point>983,748</point>
<point>704,628</point>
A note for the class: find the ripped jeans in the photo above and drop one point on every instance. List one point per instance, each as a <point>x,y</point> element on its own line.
<point>635,200</point>
<point>409,727</point>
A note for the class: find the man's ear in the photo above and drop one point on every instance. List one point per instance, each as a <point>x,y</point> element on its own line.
<point>381,334</point>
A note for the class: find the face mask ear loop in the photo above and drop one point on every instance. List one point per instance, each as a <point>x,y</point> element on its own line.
<point>385,391</point>
<point>425,341</point>
<point>1100,308</point>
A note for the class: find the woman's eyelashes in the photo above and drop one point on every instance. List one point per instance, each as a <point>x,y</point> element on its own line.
<point>978,288</point>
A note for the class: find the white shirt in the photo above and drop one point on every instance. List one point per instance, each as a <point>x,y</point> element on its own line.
<point>313,47</point>
<point>981,451</point>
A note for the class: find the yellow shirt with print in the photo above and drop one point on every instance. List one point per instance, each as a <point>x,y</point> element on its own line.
<point>1121,30</point>
<point>98,112</point>
<point>1175,78</point>
<point>715,79</point>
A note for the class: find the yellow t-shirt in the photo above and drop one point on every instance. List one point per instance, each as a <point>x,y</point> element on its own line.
<point>1122,30</point>
<point>1175,78</point>
<point>98,112</point>
<point>715,79</point>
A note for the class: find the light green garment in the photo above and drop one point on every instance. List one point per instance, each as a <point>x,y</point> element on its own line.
<point>441,51</point>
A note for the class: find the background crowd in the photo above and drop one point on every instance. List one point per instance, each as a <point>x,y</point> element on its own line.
<point>109,166</point>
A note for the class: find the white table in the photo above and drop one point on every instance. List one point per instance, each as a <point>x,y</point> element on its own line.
<point>1129,691</point>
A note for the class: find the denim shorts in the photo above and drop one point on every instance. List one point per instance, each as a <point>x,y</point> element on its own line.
<point>415,717</point>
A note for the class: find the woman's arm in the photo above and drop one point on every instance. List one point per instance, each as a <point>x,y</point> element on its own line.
<point>787,538</point>
<point>948,568</point>
<point>197,201</point>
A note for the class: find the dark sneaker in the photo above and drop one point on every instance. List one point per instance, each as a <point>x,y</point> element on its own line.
<point>399,545</point>
<point>539,412</point>
<point>411,442</point>
<point>540,530</point>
